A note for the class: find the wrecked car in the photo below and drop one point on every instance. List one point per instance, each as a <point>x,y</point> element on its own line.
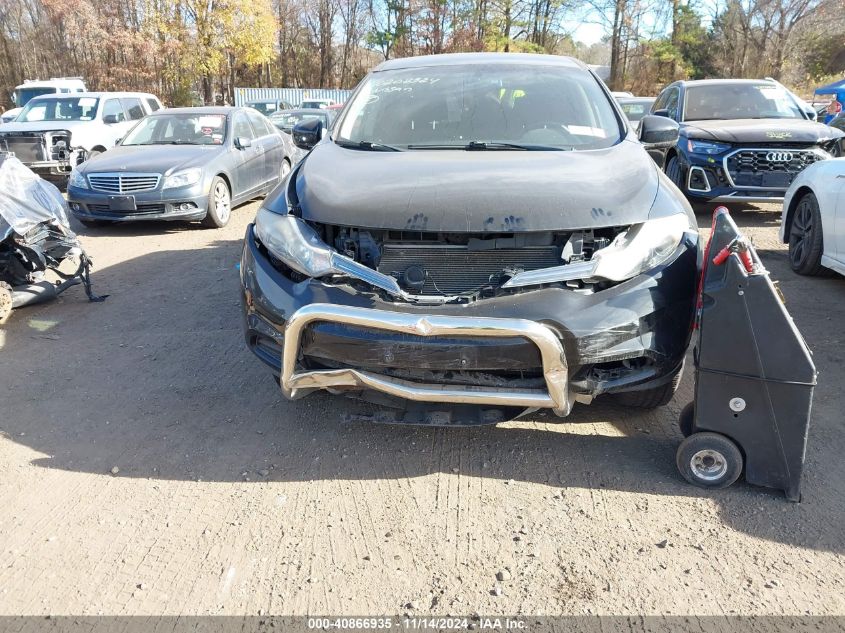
<point>479,235</point>
<point>35,237</point>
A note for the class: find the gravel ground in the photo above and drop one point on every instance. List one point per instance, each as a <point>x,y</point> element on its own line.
<point>150,466</point>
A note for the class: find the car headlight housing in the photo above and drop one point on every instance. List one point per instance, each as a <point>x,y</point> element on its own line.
<point>709,148</point>
<point>77,180</point>
<point>295,243</point>
<point>641,248</point>
<point>184,178</point>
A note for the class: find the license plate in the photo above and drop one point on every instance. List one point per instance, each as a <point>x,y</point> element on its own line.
<point>122,203</point>
<point>776,180</point>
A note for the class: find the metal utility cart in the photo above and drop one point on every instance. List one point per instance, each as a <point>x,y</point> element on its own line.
<point>754,375</point>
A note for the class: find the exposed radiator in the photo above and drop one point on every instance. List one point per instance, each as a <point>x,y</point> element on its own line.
<point>456,269</point>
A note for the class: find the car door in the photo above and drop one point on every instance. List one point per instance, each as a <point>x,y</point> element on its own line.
<point>837,197</point>
<point>115,121</point>
<point>249,157</point>
<point>271,141</point>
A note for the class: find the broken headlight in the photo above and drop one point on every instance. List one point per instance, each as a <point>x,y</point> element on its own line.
<point>640,248</point>
<point>294,242</point>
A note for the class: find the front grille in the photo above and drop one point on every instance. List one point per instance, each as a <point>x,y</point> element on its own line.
<point>455,269</point>
<point>142,208</point>
<point>26,148</point>
<point>768,168</point>
<point>123,183</point>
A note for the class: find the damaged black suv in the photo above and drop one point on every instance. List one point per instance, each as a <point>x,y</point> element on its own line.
<point>479,235</point>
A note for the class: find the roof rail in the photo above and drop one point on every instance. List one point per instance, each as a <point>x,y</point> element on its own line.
<point>61,78</point>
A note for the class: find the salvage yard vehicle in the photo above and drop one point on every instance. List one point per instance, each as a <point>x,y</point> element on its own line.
<point>741,140</point>
<point>287,119</point>
<point>35,88</point>
<point>635,108</point>
<point>54,133</point>
<point>181,164</point>
<point>813,219</point>
<point>269,107</point>
<point>480,235</point>
<point>35,237</point>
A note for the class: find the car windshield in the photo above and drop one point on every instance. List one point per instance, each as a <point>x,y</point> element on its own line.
<point>23,95</point>
<point>739,101</point>
<point>635,110</point>
<point>179,129</point>
<point>265,107</point>
<point>60,109</point>
<point>480,106</point>
<point>286,121</point>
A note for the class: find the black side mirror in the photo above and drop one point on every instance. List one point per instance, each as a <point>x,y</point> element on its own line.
<point>242,142</point>
<point>307,133</point>
<point>111,119</point>
<point>658,132</point>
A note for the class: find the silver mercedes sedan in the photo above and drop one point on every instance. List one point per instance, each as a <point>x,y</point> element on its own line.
<point>181,164</point>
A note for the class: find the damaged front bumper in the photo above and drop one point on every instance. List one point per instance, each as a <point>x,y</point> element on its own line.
<point>546,347</point>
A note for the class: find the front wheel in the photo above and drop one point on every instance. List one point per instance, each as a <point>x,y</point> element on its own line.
<point>673,170</point>
<point>651,398</point>
<point>284,170</point>
<point>219,204</point>
<point>806,242</point>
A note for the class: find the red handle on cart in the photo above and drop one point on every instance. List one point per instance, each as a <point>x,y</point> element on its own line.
<point>722,256</point>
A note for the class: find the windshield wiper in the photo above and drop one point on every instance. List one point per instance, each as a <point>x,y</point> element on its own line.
<point>368,146</point>
<point>481,146</point>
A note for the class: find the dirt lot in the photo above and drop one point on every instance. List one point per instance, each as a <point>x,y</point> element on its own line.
<point>230,500</point>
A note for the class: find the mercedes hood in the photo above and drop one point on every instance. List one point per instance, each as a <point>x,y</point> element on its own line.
<point>161,159</point>
<point>477,191</point>
<point>760,131</point>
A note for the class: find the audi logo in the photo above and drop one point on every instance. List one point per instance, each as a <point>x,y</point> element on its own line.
<point>779,157</point>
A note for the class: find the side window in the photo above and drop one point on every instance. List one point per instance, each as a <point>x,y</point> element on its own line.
<point>134,108</point>
<point>153,105</point>
<point>672,103</point>
<point>113,107</point>
<point>660,102</point>
<point>241,126</point>
<point>257,122</point>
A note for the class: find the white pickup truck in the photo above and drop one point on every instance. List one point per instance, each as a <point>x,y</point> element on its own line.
<point>54,133</point>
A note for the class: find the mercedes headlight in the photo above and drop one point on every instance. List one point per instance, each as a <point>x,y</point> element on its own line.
<point>640,248</point>
<point>184,178</point>
<point>77,180</point>
<point>708,148</point>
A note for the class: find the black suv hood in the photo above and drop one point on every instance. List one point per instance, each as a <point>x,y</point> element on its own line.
<point>477,191</point>
<point>759,131</point>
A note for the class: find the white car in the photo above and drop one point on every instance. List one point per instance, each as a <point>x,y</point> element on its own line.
<point>813,219</point>
<point>54,133</point>
<point>316,103</point>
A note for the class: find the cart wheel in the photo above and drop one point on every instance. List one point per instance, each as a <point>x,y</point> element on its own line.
<point>709,460</point>
<point>687,420</point>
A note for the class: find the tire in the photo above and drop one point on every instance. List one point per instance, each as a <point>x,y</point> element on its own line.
<point>284,170</point>
<point>686,420</point>
<point>709,460</point>
<point>806,241</point>
<point>219,204</point>
<point>651,398</point>
<point>673,170</point>
<point>92,154</point>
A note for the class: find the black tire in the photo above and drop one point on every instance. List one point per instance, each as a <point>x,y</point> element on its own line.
<point>651,398</point>
<point>686,420</point>
<point>673,170</point>
<point>709,460</point>
<point>284,170</point>
<point>806,241</point>
<point>219,204</point>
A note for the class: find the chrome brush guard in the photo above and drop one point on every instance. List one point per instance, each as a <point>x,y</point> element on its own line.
<point>296,383</point>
